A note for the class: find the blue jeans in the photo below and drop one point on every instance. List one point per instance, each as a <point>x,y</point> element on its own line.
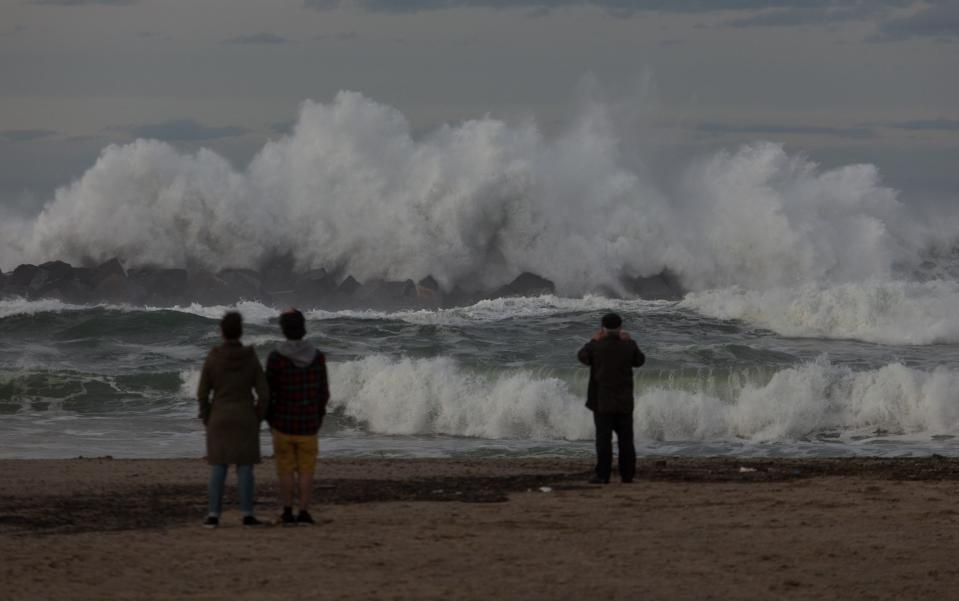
<point>244,484</point>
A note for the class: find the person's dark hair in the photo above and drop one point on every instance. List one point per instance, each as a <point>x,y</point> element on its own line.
<point>611,321</point>
<point>232,325</point>
<point>293,324</point>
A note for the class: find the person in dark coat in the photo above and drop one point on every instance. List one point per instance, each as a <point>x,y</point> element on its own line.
<point>611,356</point>
<point>232,373</point>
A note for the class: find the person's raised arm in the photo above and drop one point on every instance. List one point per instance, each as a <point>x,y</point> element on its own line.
<point>638,357</point>
<point>585,354</point>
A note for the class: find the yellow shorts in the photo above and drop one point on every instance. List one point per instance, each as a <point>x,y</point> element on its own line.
<point>294,453</point>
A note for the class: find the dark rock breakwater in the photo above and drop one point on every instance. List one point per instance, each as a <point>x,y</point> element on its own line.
<point>277,283</point>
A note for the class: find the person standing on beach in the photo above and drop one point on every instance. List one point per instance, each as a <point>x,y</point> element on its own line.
<point>299,389</point>
<point>232,373</point>
<point>611,356</point>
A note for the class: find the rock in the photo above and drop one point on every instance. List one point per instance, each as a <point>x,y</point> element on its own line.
<point>57,270</point>
<point>312,287</point>
<point>207,288</point>
<point>75,291</point>
<point>526,284</point>
<point>428,293</point>
<point>429,283</point>
<point>105,270</point>
<point>83,274</point>
<point>348,287</point>
<point>56,279</point>
<point>427,288</point>
<point>245,284</point>
<point>276,274</point>
<point>116,288</point>
<point>386,294</point>
<point>161,286</point>
<point>22,275</point>
<point>458,297</point>
<point>375,294</point>
<point>662,286</point>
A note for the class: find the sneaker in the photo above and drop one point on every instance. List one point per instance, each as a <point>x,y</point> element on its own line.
<point>627,480</point>
<point>251,521</point>
<point>304,517</point>
<point>598,480</point>
<point>211,522</point>
<point>287,519</point>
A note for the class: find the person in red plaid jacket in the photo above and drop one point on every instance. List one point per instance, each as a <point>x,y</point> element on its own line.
<point>299,392</point>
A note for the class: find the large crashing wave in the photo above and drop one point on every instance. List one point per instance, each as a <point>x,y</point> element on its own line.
<point>437,396</point>
<point>474,205</point>
<point>884,312</point>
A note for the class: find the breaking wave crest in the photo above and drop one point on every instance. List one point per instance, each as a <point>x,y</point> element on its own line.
<point>476,203</point>
<point>437,396</point>
<point>883,312</point>
<point>890,312</point>
<point>258,313</point>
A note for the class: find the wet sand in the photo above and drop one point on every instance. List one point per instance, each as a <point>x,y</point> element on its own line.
<point>489,529</point>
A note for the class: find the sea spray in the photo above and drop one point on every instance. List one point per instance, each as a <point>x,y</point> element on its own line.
<point>886,312</point>
<point>474,204</point>
<point>438,396</point>
<point>498,377</point>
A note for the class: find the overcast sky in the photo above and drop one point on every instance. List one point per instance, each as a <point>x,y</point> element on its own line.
<point>844,81</point>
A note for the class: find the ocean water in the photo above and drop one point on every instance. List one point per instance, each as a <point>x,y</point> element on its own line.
<point>822,317</point>
<point>728,372</point>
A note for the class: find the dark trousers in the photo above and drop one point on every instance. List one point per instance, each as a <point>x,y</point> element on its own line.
<point>622,425</point>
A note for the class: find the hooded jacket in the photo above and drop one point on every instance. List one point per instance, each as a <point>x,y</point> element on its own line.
<point>299,388</point>
<point>232,373</point>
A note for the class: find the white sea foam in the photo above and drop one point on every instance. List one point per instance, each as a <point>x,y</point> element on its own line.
<point>499,309</point>
<point>482,311</point>
<point>189,383</point>
<point>252,311</point>
<point>18,306</point>
<point>475,204</point>
<point>887,312</point>
<point>438,396</point>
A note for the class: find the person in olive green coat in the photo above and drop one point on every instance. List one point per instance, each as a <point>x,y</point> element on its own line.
<point>232,373</point>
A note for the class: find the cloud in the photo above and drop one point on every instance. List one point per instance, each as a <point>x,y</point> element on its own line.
<point>940,21</point>
<point>342,36</point>
<point>84,2</point>
<point>714,128</point>
<point>616,7</point>
<point>26,135</point>
<point>927,125</point>
<point>282,127</point>
<point>257,38</point>
<point>183,130</point>
<point>822,14</point>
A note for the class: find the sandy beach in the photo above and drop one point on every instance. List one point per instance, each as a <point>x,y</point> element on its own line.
<point>488,529</point>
